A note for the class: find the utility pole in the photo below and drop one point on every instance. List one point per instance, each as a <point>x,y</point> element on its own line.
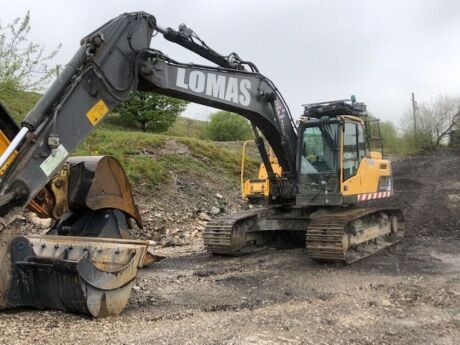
<point>414,111</point>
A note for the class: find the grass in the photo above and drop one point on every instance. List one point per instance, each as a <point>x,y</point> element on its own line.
<point>226,160</point>
<point>19,103</point>
<point>139,153</point>
<point>186,127</point>
<point>183,127</point>
<point>141,157</point>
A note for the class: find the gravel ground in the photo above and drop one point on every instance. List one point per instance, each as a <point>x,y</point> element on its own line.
<point>406,294</point>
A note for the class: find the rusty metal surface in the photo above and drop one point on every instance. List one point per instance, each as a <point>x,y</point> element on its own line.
<point>60,187</point>
<point>52,200</point>
<point>84,275</point>
<point>86,182</point>
<point>100,182</point>
<point>115,252</point>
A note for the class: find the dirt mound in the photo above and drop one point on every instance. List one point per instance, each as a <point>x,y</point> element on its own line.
<point>427,188</point>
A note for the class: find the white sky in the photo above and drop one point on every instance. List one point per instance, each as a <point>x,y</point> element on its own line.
<point>320,50</point>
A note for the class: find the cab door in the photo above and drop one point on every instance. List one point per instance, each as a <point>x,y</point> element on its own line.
<point>354,157</point>
<point>363,174</point>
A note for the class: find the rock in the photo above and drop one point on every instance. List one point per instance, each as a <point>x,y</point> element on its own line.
<point>386,303</point>
<point>136,288</point>
<point>174,231</point>
<point>215,210</point>
<point>204,216</point>
<point>168,242</point>
<point>219,196</point>
<point>41,222</point>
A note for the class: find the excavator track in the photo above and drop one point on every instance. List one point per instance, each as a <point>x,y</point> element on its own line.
<point>348,236</point>
<point>226,235</point>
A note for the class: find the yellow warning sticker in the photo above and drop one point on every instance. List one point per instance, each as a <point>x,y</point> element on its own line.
<point>97,112</point>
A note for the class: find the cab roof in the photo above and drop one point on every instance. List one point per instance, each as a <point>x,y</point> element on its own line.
<point>334,108</point>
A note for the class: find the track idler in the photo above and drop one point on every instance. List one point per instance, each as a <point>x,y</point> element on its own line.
<point>76,274</point>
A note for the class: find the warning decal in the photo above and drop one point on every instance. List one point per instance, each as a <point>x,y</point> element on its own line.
<point>54,160</point>
<point>97,112</point>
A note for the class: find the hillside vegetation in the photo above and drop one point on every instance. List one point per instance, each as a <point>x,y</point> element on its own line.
<point>149,158</point>
<point>19,103</point>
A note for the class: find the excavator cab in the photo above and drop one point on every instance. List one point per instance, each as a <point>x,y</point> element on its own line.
<point>337,165</point>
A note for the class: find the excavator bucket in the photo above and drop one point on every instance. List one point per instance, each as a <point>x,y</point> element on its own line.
<point>77,274</point>
<point>91,269</point>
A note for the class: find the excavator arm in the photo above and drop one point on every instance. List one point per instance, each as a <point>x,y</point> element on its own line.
<point>100,75</point>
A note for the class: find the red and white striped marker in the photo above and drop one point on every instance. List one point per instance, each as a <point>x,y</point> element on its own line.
<point>373,196</point>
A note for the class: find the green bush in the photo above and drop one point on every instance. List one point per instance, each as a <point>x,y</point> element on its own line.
<point>151,112</point>
<point>226,126</point>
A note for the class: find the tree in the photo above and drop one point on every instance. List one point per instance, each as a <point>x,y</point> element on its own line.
<point>226,126</point>
<point>150,111</point>
<point>391,140</point>
<point>24,65</point>
<point>435,122</point>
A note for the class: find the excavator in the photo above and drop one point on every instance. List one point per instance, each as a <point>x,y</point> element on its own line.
<point>338,167</point>
<point>87,263</point>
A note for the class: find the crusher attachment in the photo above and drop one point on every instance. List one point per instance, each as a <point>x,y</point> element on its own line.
<point>80,275</point>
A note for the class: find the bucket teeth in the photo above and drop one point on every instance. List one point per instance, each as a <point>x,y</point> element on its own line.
<point>91,276</point>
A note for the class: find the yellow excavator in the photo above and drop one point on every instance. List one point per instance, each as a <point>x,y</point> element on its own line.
<point>257,190</point>
<point>338,164</point>
<point>87,263</point>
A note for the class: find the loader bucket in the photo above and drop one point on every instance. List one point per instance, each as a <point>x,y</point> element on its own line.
<point>83,275</point>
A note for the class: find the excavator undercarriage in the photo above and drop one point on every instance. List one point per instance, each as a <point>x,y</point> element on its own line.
<point>339,234</point>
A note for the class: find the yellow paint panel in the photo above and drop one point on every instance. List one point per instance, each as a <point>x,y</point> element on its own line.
<point>97,112</point>
<point>367,177</point>
<point>4,143</point>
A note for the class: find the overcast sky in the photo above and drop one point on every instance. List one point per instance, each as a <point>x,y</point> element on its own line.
<point>314,51</point>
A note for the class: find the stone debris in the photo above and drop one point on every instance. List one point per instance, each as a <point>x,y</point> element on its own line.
<point>204,216</point>
<point>215,210</point>
<point>43,223</point>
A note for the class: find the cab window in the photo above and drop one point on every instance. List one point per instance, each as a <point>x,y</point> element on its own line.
<point>362,150</point>
<point>350,150</point>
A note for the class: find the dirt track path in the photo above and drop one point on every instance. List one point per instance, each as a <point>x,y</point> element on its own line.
<point>407,294</point>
